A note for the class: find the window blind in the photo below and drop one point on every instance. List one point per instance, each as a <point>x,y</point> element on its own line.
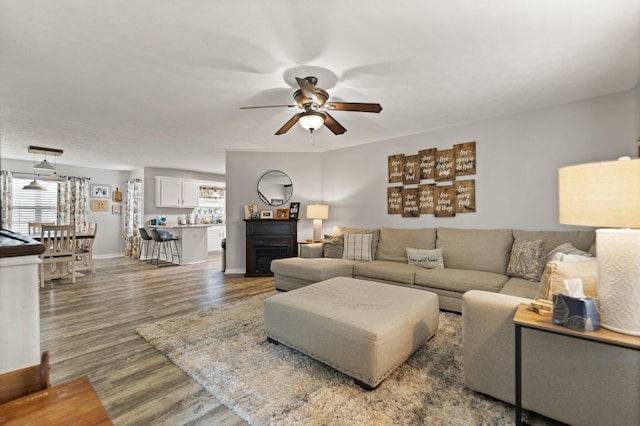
<point>33,206</point>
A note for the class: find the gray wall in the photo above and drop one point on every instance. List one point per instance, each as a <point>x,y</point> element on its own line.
<point>518,157</point>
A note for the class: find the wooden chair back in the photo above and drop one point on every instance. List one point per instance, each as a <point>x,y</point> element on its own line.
<point>15,384</point>
<point>58,241</point>
<point>36,227</point>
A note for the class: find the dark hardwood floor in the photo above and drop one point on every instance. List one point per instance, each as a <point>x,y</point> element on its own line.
<point>90,328</point>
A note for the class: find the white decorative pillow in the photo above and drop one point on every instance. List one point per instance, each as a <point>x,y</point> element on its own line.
<point>565,248</point>
<point>357,247</point>
<point>430,259</point>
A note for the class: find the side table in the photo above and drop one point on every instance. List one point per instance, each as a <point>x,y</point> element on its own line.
<point>526,318</point>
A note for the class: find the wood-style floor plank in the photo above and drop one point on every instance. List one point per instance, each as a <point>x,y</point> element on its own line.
<point>89,328</point>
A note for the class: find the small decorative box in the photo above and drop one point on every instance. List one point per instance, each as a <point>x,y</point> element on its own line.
<point>577,313</point>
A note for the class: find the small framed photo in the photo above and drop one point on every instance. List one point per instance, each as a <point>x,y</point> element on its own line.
<point>277,201</point>
<point>116,209</point>
<point>250,211</point>
<point>282,214</point>
<point>266,214</point>
<point>100,191</point>
<point>294,209</point>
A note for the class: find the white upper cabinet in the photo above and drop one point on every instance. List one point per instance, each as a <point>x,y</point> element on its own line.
<point>174,192</point>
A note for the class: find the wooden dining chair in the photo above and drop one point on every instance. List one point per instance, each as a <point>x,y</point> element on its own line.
<point>36,227</point>
<point>15,384</point>
<point>85,236</point>
<point>59,252</point>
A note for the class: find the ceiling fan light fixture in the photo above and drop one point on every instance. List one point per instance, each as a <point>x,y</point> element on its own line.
<point>311,120</point>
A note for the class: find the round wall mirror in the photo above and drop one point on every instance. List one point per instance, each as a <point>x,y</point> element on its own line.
<point>275,188</point>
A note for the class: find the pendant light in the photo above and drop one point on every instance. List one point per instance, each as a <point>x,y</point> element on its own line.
<point>34,185</point>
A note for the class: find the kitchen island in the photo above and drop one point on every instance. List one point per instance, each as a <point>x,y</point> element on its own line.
<point>192,241</point>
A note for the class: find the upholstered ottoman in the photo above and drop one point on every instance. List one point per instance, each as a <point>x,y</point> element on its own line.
<point>361,328</point>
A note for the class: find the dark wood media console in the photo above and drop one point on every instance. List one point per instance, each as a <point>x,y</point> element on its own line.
<point>268,239</point>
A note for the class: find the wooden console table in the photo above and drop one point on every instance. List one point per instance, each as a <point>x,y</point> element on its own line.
<point>526,318</point>
<point>71,403</point>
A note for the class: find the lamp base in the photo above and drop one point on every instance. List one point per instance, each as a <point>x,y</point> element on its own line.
<point>618,254</point>
<point>317,230</point>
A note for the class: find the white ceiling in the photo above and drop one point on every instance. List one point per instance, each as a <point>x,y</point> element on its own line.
<point>125,84</point>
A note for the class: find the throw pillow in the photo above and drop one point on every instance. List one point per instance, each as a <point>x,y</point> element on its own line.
<point>357,247</point>
<point>556,272</point>
<point>566,248</point>
<point>527,259</point>
<point>332,246</point>
<point>430,259</point>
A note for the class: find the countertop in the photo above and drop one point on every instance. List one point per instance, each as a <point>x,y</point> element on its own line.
<point>14,244</point>
<point>199,225</point>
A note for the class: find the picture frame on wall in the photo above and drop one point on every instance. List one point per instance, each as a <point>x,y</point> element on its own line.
<point>100,191</point>
<point>116,209</point>
<point>294,209</point>
<point>266,214</point>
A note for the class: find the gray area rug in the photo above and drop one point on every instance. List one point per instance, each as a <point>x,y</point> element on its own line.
<point>225,350</point>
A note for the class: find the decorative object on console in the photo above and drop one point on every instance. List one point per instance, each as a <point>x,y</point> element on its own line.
<point>606,194</point>
<point>282,214</point>
<point>294,209</point>
<point>317,212</point>
<point>266,214</point>
<point>250,211</point>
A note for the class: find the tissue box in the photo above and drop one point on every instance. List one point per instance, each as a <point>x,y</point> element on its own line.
<point>578,313</point>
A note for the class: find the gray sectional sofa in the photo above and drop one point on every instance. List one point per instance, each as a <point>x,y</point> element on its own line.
<point>569,380</point>
<point>474,259</point>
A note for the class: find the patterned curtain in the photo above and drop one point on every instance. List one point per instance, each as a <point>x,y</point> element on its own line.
<point>73,202</point>
<point>6,181</point>
<point>132,218</point>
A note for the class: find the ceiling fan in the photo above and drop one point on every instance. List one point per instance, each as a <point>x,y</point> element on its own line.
<point>312,101</point>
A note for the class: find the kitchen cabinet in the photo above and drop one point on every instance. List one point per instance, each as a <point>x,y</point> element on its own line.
<point>215,234</point>
<point>174,192</point>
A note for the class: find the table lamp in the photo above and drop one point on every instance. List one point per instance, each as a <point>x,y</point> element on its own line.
<point>607,194</point>
<point>317,212</point>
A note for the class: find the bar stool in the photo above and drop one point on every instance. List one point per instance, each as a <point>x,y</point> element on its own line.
<point>164,242</point>
<point>145,238</point>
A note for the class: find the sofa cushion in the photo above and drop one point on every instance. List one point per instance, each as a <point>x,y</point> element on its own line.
<point>430,259</point>
<point>527,259</point>
<point>375,235</point>
<point>384,270</point>
<point>520,287</point>
<point>393,242</point>
<point>459,280</point>
<point>357,247</point>
<point>476,249</point>
<point>579,239</point>
<point>312,270</point>
<point>556,272</point>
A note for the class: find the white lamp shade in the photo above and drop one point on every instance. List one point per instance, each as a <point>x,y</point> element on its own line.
<point>605,194</point>
<point>311,120</point>
<point>44,165</point>
<point>317,211</point>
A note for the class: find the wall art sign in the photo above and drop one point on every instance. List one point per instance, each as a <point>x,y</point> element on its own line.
<point>394,200</point>
<point>445,198</point>
<point>427,163</point>
<point>465,155</point>
<point>410,202</point>
<point>414,197</point>
<point>396,168</point>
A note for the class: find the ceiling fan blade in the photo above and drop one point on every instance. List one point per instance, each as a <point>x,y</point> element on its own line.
<point>333,125</point>
<point>353,106</point>
<point>289,124</point>
<point>308,89</point>
<point>268,106</point>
